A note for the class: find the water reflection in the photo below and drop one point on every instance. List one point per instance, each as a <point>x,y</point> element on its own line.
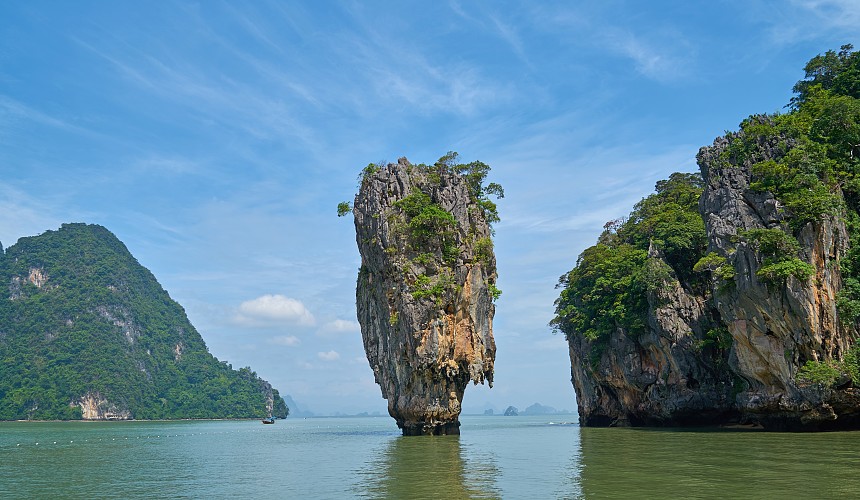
<point>429,467</point>
<point>642,463</point>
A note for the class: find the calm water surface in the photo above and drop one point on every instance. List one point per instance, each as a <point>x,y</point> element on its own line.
<point>495,457</point>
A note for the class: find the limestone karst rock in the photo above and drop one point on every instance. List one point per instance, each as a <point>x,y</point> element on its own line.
<point>730,350</point>
<point>425,289</point>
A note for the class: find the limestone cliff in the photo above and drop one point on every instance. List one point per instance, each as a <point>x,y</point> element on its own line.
<point>659,376</point>
<point>425,290</point>
<point>776,327</point>
<point>731,349</point>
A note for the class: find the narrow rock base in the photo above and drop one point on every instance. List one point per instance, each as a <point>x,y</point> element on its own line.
<point>430,428</point>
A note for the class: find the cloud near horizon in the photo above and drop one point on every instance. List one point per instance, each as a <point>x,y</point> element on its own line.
<point>268,310</point>
<point>339,326</point>
<point>329,356</point>
<point>286,340</point>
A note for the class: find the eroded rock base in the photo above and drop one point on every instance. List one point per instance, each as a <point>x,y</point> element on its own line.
<point>430,428</point>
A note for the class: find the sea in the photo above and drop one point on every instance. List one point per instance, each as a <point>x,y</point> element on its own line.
<point>518,457</point>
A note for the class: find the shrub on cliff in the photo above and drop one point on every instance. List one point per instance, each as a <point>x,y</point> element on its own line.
<point>607,288</point>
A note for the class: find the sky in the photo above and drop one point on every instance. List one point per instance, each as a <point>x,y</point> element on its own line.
<point>216,138</point>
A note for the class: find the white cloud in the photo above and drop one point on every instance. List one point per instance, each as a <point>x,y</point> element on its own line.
<point>274,309</point>
<point>328,356</point>
<point>339,326</point>
<point>287,340</point>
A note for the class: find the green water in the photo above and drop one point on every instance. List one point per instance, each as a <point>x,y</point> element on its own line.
<point>495,457</point>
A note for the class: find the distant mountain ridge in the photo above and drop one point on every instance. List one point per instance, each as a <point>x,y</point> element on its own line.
<point>295,409</point>
<point>87,332</point>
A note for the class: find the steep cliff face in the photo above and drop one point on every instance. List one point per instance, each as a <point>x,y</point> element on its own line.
<point>662,375</point>
<point>425,291</point>
<point>753,294</point>
<point>775,327</point>
<point>95,407</point>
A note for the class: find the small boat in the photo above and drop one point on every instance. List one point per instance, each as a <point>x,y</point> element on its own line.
<point>270,420</point>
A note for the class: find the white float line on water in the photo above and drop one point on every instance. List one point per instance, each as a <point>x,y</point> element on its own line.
<point>158,436</point>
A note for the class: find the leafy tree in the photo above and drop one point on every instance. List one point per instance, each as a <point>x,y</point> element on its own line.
<point>343,208</point>
<point>607,288</point>
<point>475,173</point>
<point>670,220</point>
<point>604,292</point>
<point>836,71</point>
<point>429,224</point>
<point>816,372</point>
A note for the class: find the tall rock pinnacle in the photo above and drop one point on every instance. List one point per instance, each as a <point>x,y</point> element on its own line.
<point>426,286</point>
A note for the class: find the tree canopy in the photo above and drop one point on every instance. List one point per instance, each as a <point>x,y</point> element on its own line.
<point>607,288</point>
<point>82,316</point>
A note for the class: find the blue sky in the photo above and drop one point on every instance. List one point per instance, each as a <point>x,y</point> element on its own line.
<point>216,138</point>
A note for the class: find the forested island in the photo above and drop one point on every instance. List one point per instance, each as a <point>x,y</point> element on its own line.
<point>87,332</point>
<point>733,295</point>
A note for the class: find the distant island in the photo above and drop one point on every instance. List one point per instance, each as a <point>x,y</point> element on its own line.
<point>86,332</point>
<point>535,409</point>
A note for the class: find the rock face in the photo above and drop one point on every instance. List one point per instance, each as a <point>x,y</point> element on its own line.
<point>730,353</point>
<point>658,377</point>
<point>776,329</point>
<point>423,295</point>
<point>94,407</point>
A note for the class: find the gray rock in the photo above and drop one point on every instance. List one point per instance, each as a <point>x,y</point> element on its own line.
<point>424,348</point>
<point>673,374</point>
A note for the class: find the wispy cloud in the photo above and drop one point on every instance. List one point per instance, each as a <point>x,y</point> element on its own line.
<point>13,113</point>
<point>657,50</point>
<point>798,21</point>
<point>509,34</point>
<point>659,60</point>
<point>239,102</point>
<point>833,13</point>
<point>406,74</point>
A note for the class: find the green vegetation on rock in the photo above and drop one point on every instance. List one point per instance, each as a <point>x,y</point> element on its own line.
<point>426,233</point>
<point>81,317</point>
<point>429,224</point>
<point>816,372</point>
<point>814,174</point>
<point>607,288</point>
<point>780,252</point>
